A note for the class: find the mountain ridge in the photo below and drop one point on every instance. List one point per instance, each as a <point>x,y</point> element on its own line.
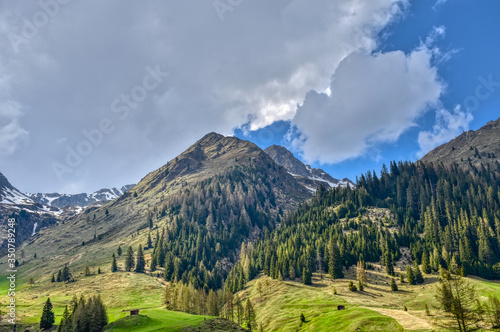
<point>471,148</point>
<point>310,178</point>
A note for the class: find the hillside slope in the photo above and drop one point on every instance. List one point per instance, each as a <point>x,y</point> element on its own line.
<point>199,207</point>
<point>470,148</point>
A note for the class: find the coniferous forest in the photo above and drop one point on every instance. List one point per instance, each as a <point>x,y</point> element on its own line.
<point>209,222</point>
<point>448,217</point>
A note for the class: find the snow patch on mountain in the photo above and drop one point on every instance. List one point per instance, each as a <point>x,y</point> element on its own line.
<point>82,200</point>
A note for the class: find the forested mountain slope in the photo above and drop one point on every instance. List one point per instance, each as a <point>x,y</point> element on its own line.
<point>447,217</point>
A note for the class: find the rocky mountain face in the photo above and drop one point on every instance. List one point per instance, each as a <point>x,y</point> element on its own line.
<point>30,216</point>
<point>218,193</point>
<point>310,178</point>
<point>471,148</point>
<point>83,200</point>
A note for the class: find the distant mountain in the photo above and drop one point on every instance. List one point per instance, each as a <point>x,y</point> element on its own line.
<point>311,178</point>
<point>471,148</point>
<point>203,204</point>
<point>30,215</point>
<point>99,197</point>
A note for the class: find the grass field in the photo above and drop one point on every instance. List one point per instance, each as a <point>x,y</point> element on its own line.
<point>377,308</point>
<point>120,292</point>
<point>278,306</point>
<point>156,320</point>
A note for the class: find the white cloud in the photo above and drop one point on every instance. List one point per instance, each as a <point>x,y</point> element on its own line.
<point>439,3</point>
<point>448,126</point>
<point>12,135</point>
<point>257,64</point>
<point>374,99</point>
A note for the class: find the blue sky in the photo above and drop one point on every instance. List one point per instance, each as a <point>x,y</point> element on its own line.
<point>97,94</point>
<point>473,51</point>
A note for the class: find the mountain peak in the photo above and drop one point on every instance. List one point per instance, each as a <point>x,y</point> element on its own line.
<point>211,138</point>
<point>470,148</point>
<point>4,183</point>
<point>309,177</point>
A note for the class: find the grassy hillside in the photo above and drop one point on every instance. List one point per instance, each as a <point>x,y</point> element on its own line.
<point>377,308</point>
<point>156,320</point>
<point>120,292</point>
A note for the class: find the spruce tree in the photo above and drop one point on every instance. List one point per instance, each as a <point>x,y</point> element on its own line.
<point>129,260</point>
<point>419,278</point>
<point>66,274</point>
<point>119,250</point>
<point>249,314</point>
<point>149,242</point>
<point>47,320</point>
<point>114,266</point>
<point>335,265</point>
<point>410,276</point>
<point>389,264</point>
<point>306,276</point>
<point>426,268</point>
<point>394,287</point>
<point>140,262</point>
<point>86,271</point>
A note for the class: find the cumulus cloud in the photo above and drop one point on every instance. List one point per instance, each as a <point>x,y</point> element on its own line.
<point>12,135</point>
<point>439,3</point>
<point>374,99</point>
<point>254,65</point>
<point>448,126</point>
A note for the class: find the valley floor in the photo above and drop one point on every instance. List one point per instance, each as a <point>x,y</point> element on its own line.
<point>376,308</point>
<point>278,304</point>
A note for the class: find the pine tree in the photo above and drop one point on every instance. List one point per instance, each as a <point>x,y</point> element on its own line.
<point>212,304</point>
<point>47,319</point>
<point>426,268</point>
<point>140,263</point>
<point>394,287</point>
<point>149,242</point>
<point>360,286</point>
<point>114,266</point>
<point>66,274</point>
<point>458,302</point>
<point>239,309</point>
<point>53,279</point>
<point>65,324</point>
<point>419,278</point>
<point>306,276</point>
<point>389,264</point>
<point>410,276</point>
<point>129,260</point>
<point>249,314</point>
<point>335,265</point>
<point>402,278</point>
<point>361,273</point>
<point>119,250</point>
<point>86,271</point>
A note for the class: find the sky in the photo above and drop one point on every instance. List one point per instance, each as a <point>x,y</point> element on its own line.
<point>97,94</point>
